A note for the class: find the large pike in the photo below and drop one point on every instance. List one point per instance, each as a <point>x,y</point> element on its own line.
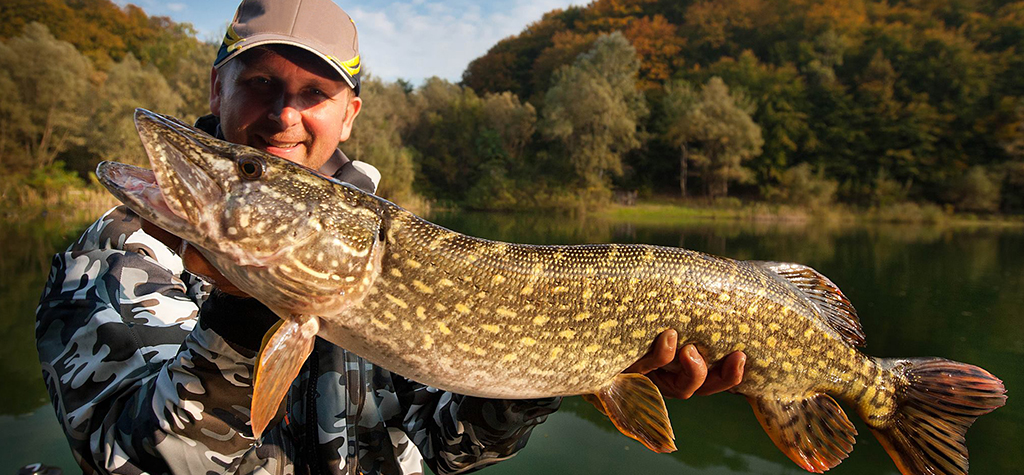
<point>504,320</point>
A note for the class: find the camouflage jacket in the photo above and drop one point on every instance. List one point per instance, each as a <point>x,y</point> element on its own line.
<point>149,372</point>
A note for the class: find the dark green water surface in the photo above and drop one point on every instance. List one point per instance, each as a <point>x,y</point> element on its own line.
<point>920,291</point>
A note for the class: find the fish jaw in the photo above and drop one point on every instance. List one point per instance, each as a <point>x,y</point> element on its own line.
<point>137,187</point>
<point>298,241</point>
<point>189,171</point>
<point>195,191</point>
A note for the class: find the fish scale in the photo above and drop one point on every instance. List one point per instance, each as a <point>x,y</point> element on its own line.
<point>504,320</point>
<point>608,324</point>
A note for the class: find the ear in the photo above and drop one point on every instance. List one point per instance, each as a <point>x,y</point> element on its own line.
<point>215,92</point>
<point>355,104</point>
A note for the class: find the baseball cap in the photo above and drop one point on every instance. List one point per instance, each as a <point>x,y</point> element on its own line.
<point>318,26</point>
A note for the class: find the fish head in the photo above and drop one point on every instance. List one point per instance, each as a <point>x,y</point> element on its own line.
<point>279,231</point>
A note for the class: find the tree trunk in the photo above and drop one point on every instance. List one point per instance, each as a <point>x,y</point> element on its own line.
<point>683,170</point>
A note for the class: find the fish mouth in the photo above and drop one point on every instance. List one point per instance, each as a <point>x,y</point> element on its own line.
<point>138,188</point>
<point>179,191</point>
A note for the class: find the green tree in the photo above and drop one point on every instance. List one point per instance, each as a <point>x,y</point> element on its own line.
<point>714,130</point>
<point>513,121</point>
<point>782,109</point>
<point>446,136</point>
<point>593,109</point>
<point>376,137</point>
<point>190,79</point>
<point>45,84</point>
<point>128,85</point>
<point>506,178</point>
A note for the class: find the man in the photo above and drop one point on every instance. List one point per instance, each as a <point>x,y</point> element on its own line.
<point>149,366</point>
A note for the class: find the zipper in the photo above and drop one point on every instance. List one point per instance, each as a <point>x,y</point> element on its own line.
<point>357,380</point>
<point>312,435</point>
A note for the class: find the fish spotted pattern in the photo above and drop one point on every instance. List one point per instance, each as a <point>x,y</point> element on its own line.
<point>509,320</point>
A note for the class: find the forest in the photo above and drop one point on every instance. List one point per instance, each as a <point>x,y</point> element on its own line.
<point>808,103</point>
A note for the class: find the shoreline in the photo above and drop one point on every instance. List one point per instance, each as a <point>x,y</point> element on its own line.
<point>656,212</point>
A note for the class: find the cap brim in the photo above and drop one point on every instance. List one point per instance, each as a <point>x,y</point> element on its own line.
<point>271,39</point>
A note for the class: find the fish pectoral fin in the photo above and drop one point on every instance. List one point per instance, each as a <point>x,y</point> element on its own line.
<point>635,406</point>
<point>280,360</point>
<point>266,341</point>
<point>814,431</point>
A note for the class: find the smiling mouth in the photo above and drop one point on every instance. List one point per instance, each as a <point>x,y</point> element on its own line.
<point>265,142</point>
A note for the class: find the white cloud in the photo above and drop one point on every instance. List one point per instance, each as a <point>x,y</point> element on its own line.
<point>416,39</point>
<point>176,7</point>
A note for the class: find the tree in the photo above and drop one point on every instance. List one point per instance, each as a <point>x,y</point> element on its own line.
<point>189,77</point>
<point>376,137</point>
<point>128,85</point>
<point>717,126</point>
<point>593,110</point>
<point>45,85</point>
<point>658,46</point>
<point>512,120</point>
<point>782,111</point>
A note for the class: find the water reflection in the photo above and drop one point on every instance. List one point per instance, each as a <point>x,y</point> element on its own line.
<point>920,291</point>
<point>24,264</point>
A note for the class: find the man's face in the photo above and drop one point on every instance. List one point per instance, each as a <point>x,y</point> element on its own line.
<point>285,101</point>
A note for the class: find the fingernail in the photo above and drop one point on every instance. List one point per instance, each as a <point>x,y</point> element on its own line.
<point>693,354</point>
<point>671,340</point>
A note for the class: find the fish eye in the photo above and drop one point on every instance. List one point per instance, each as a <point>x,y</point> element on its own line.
<point>250,168</point>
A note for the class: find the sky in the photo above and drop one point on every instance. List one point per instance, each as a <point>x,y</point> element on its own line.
<point>398,39</point>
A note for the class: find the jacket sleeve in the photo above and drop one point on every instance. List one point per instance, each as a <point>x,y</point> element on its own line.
<point>136,383</point>
<point>458,434</point>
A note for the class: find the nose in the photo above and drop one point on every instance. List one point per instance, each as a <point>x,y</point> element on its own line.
<point>286,112</point>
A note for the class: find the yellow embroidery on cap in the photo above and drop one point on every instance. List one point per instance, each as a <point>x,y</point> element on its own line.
<point>351,66</point>
<point>232,40</point>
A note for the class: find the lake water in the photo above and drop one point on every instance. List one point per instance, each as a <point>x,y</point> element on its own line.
<point>920,291</point>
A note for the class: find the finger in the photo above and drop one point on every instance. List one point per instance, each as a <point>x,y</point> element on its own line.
<point>694,372</point>
<point>197,264</point>
<point>725,375</point>
<point>661,353</point>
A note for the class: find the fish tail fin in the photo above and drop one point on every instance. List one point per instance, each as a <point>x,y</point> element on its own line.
<point>280,360</point>
<point>812,431</point>
<point>936,401</point>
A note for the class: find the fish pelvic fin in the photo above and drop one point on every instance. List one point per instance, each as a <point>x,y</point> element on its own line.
<point>832,304</point>
<point>280,360</point>
<point>937,400</point>
<point>635,405</point>
<point>813,431</point>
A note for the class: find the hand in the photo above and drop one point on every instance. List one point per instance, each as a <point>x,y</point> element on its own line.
<point>681,374</point>
<point>193,260</point>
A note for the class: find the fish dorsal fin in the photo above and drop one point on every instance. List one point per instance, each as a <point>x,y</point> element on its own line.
<point>826,296</point>
<point>812,431</point>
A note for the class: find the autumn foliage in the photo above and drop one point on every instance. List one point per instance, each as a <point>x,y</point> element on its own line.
<point>807,102</point>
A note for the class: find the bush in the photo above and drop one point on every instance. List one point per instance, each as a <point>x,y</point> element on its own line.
<point>909,212</point>
<point>976,191</point>
<point>887,191</point>
<point>493,191</point>
<point>800,186</point>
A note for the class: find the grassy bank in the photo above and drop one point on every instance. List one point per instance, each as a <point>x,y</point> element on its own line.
<point>660,211</point>
<point>64,206</point>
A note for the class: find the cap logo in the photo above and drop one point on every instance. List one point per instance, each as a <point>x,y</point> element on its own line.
<point>232,40</point>
<point>351,66</point>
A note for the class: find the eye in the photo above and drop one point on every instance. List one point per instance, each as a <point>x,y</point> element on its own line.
<point>250,168</point>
